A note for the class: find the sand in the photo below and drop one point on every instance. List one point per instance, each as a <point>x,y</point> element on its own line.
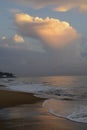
<point>11,98</point>
<point>23,111</point>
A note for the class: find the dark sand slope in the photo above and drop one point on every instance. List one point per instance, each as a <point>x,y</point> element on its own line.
<point>11,98</point>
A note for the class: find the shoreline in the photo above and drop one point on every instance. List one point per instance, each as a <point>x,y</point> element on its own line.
<point>25,112</point>
<point>10,98</point>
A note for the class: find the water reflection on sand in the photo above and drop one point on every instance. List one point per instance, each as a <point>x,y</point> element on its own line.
<point>34,117</point>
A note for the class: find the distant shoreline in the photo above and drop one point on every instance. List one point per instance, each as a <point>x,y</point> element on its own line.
<point>6,75</point>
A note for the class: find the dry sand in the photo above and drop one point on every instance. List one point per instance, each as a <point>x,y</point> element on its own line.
<point>33,116</point>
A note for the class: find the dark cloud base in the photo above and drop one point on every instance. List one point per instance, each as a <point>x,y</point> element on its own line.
<point>30,63</point>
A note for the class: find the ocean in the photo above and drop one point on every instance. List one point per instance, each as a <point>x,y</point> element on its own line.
<point>64,96</point>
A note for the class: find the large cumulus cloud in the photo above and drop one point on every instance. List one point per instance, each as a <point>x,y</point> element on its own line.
<point>58,5</point>
<point>50,31</point>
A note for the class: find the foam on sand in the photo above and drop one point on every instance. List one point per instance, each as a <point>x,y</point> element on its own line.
<point>72,110</point>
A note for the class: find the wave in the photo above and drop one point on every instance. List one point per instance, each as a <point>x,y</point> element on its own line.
<point>72,110</point>
<point>40,90</point>
<point>66,102</point>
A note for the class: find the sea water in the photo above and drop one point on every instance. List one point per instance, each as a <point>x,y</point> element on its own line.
<point>65,96</point>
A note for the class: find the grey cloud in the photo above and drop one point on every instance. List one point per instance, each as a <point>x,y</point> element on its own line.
<point>63,5</point>
<point>31,63</point>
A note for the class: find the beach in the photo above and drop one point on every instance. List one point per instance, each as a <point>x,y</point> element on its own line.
<point>24,111</point>
<point>12,98</point>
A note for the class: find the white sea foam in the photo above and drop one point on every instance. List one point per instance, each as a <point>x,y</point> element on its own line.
<point>72,110</point>
<point>40,90</point>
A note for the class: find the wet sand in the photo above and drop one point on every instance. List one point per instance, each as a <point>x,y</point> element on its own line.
<point>23,111</point>
<point>12,98</point>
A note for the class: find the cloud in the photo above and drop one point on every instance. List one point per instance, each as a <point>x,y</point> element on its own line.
<point>50,31</point>
<point>19,43</point>
<point>42,47</point>
<point>11,41</point>
<point>14,10</point>
<point>18,39</point>
<point>61,41</point>
<point>63,5</point>
<point>3,38</point>
<point>35,63</point>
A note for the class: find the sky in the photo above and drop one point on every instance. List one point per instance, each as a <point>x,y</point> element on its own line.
<point>43,37</point>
